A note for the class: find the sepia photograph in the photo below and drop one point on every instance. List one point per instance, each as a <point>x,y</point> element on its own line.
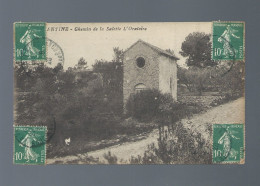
<point>129,93</point>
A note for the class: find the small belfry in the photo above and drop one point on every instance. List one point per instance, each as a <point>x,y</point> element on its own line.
<point>149,67</point>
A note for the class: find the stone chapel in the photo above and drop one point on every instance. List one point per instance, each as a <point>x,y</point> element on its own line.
<point>148,67</point>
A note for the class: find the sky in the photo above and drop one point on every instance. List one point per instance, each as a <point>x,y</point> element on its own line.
<point>94,41</point>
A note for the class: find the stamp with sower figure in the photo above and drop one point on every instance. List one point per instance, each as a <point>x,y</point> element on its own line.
<point>30,41</point>
<point>228,41</point>
<point>228,143</point>
<point>30,145</point>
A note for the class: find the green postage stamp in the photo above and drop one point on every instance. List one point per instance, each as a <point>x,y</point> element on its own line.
<point>30,145</point>
<point>228,41</point>
<point>30,41</point>
<point>228,143</point>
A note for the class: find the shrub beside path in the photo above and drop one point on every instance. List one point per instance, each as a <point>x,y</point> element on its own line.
<point>223,114</point>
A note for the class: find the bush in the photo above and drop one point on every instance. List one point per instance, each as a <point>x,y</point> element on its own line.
<point>135,160</point>
<point>111,159</point>
<point>151,105</point>
<point>225,99</point>
<point>182,146</point>
<point>148,104</point>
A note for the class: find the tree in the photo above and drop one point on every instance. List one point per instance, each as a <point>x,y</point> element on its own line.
<point>184,79</point>
<point>58,68</point>
<point>194,78</point>
<point>82,64</point>
<point>197,49</point>
<point>112,76</point>
<point>118,54</point>
<point>232,82</point>
<point>112,71</point>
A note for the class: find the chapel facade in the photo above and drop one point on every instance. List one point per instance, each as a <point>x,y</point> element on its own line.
<point>148,67</point>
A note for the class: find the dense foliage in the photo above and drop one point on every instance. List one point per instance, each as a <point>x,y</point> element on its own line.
<point>78,103</point>
<point>224,78</point>
<point>204,74</point>
<point>83,104</point>
<point>151,105</point>
<point>181,146</point>
<point>197,49</point>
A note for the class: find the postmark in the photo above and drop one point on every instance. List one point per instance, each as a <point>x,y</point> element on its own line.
<point>228,41</point>
<point>55,53</point>
<point>228,143</point>
<point>54,57</point>
<point>30,145</point>
<point>30,41</point>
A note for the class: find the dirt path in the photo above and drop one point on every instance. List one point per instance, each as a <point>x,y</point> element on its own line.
<point>227,113</point>
<point>224,114</point>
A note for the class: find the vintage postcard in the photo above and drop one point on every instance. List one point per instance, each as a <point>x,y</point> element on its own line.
<point>129,93</point>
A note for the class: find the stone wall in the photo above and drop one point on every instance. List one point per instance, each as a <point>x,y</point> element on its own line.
<point>168,76</point>
<point>133,75</point>
<point>204,101</point>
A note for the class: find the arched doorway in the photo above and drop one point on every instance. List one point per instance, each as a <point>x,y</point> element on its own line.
<point>140,87</point>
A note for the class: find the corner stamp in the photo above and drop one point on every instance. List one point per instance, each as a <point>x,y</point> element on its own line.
<point>228,143</point>
<point>30,41</point>
<point>228,41</point>
<point>30,145</point>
